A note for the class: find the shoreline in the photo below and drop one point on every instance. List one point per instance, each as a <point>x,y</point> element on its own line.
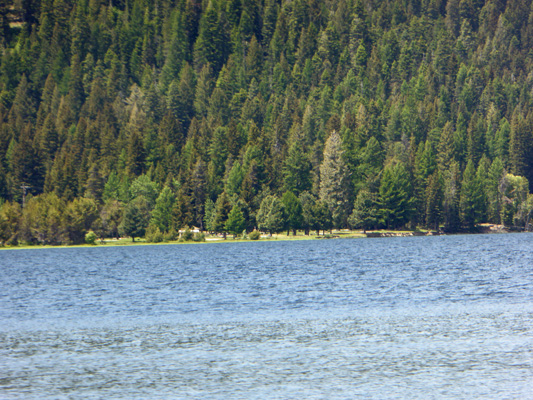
<point>341,234</point>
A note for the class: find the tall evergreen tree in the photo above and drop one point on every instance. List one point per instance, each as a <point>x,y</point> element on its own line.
<point>470,197</point>
<point>365,213</point>
<point>235,223</point>
<point>334,180</point>
<point>135,218</point>
<point>293,212</point>
<point>162,212</point>
<point>271,215</point>
<point>395,196</point>
<point>434,200</point>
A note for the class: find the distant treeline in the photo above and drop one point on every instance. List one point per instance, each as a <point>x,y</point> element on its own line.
<point>142,117</point>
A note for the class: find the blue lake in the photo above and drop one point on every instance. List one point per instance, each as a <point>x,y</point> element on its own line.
<point>447,317</point>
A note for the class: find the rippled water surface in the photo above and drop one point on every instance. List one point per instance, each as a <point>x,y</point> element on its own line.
<point>446,317</point>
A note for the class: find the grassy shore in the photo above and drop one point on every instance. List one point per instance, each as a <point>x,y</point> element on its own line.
<point>208,239</point>
<point>300,235</point>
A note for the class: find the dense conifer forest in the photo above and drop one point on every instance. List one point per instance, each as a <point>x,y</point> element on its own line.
<point>142,117</point>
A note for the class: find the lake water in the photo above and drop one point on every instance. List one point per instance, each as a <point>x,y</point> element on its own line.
<point>447,317</point>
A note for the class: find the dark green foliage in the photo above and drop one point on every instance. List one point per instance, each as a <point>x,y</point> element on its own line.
<point>470,197</point>
<point>308,201</point>
<point>322,217</point>
<point>235,100</point>
<point>434,201</point>
<point>235,223</point>
<point>395,201</point>
<point>293,212</point>
<point>364,214</point>
<point>297,170</point>
<point>222,211</point>
<point>135,219</point>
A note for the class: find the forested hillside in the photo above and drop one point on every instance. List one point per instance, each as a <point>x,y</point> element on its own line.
<point>130,115</point>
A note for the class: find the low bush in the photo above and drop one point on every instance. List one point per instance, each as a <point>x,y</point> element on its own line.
<point>198,237</point>
<point>255,235</point>
<point>171,235</point>
<point>154,235</point>
<point>90,238</point>
<point>187,235</point>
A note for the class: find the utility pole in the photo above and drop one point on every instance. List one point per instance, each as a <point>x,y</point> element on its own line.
<point>24,188</point>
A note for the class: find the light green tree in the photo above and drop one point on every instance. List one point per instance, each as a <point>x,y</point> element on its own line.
<point>145,187</point>
<point>162,212</point>
<point>514,191</point>
<point>80,215</point>
<point>334,180</point>
<point>270,216</point>
<point>209,216</point>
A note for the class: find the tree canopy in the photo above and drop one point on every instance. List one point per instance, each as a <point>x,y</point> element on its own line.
<point>387,113</point>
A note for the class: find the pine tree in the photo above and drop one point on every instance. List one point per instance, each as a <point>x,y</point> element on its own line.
<point>235,223</point>
<point>25,164</point>
<point>434,201</point>
<point>334,180</point>
<point>136,155</point>
<point>520,145</point>
<point>322,217</point>
<point>470,196</point>
<point>222,210</point>
<point>395,203</point>
<point>293,212</point>
<point>135,218</point>
<point>199,192</point>
<point>297,170</point>
<point>209,216</point>
<point>210,46</point>
<point>181,213</point>
<point>162,212</point>
<point>180,98</point>
<point>365,213</point>
<point>307,200</point>
<point>271,215</point>
<point>495,175</point>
